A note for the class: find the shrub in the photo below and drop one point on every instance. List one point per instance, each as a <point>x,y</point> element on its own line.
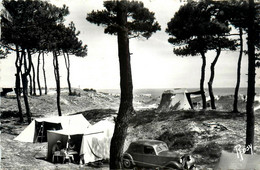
<point>8,114</point>
<point>74,93</point>
<point>179,140</point>
<point>211,149</point>
<point>228,146</point>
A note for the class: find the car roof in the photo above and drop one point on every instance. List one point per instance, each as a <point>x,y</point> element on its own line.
<point>148,142</point>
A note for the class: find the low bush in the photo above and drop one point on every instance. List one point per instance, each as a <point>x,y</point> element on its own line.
<point>211,149</point>
<point>8,114</point>
<point>179,140</point>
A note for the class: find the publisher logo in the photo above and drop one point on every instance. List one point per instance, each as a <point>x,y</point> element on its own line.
<point>241,150</point>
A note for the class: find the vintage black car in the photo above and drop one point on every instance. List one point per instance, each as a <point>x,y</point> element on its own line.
<point>152,154</point>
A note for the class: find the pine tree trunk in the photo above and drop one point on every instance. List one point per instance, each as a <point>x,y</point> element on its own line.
<point>44,74</point>
<point>33,82</point>
<point>57,78</point>
<point>203,97</point>
<point>67,64</point>
<point>25,83</point>
<point>38,74</point>
<point>250,126</point>
<point>30,85</point>
<point>126,103</point>
<point>25,95</point>
<point>18,97</point>
<point>212,75</point>
<point>18,84</point>
<point>235,109</point>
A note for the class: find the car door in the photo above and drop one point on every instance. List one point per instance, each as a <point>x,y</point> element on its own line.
<point>150,158</point>
<point>137,152</point>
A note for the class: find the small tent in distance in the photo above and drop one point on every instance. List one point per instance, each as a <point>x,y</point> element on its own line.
<point>36,131</point>
<point>178,99</point>
<point>174,100</point>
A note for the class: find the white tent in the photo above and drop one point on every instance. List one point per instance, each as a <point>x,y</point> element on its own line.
<point>91,144</point>
<point>174,100</point>
<point>179,100</point>
<point>36,131</point>
<point>96,141</point>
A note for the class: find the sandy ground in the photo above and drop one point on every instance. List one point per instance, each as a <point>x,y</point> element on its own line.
<point>201,133</point>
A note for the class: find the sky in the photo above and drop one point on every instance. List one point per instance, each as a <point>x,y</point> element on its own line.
<point>154,65</point>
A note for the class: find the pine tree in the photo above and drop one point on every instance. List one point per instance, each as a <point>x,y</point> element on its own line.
<point>116,19</point>
<point>194,30</point>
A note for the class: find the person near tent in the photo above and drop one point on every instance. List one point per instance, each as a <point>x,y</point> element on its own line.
<point>70,150</point>
<point>57,150</point>
<point>70,145</point>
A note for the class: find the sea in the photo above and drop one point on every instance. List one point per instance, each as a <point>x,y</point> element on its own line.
<point>158,92</point>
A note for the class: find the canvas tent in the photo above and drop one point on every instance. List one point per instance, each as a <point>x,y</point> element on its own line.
<point>174,100</point>
<point>96,141</point>
<point>235,161</point>
<point>179,100</point>
<point>36,131</point>
<point>91,144</point>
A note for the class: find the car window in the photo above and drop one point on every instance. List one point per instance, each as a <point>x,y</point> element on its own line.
<point>136,148</point>
<point>161,147</point>
<point>149,150</point>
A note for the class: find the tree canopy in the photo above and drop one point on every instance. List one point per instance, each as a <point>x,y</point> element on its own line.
<point>141,22</point>
<point>194,29</point>
<point>71,44</point>
<point>30,22</point>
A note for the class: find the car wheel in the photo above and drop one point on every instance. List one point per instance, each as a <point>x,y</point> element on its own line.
<point>127,163</point>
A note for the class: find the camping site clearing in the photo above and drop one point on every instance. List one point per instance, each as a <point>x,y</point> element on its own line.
<point>204,134</point>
